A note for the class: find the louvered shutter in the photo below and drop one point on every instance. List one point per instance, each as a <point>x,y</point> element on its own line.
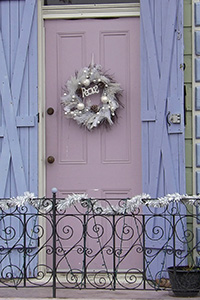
<point>162,109</point>
<point>18,117</point>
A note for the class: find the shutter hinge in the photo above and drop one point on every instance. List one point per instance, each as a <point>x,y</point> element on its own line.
<point>173,118</point>
<point>38,117</point>
<point>183,66</point>
<point>179,34</point>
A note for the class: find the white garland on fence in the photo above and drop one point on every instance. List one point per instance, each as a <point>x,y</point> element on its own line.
<point>129,206</point>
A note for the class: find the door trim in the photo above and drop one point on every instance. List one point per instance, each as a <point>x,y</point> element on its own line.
<point>91,11</point>
<point>58,13</point>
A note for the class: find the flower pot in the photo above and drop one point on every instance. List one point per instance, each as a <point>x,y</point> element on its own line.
<point>185,281</point>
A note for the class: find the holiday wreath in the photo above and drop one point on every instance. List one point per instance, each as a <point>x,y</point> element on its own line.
<point>78,106</point>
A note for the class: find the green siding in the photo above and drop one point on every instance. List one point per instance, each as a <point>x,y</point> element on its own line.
<point>188,98</point>
<point>188,13</point>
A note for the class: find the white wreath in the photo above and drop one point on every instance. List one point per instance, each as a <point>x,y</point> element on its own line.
<point>77,104</point>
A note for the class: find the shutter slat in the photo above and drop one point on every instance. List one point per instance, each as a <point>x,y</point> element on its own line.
<point>25,121</point>
<point>149,44</point>
<point>8,107</point>
<point>161,98</point>
<point>4,165</point>
<point>22,48</point>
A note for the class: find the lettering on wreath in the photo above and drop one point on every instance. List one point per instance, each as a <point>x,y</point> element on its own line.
<point>90,91</point>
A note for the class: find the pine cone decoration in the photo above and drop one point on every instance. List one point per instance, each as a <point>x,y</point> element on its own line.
<point>94,108</point>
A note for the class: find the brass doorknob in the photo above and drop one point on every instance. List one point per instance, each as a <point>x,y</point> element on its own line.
<point>50,111</point>
<point>50,159</point>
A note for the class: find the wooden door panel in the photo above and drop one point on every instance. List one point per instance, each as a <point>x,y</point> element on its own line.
<point>104,162</point>
<point>67,154</point>
<point>115,152</point>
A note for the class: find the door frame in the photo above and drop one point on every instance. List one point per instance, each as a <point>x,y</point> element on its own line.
<point>66,12</point>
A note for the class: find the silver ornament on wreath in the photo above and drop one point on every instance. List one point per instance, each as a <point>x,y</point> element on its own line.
<point>77,98</point>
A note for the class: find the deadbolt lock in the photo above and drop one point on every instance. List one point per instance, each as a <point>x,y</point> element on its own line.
<point>50,159</point>
<point>50,111</point>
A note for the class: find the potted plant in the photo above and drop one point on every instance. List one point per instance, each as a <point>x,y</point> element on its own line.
<point>185,280</point>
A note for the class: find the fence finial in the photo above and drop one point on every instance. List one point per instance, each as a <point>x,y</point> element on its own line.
<point>54,190</point>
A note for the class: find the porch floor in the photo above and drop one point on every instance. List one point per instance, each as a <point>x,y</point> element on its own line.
<point>46,293</point>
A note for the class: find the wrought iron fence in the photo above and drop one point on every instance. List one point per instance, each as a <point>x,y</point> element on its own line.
<point>95,244</point>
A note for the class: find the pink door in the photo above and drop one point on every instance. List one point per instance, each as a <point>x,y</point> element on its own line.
<point>104,162</point>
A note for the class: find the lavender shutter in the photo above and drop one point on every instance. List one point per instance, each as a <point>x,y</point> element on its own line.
<point>162,108</point>
<point>18,118</point>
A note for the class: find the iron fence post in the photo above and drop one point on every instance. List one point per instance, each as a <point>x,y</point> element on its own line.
<point>114,264</point>
<point>84,249</point>
<point>54,191</point>
<point>24,237</point>
<point>174,242</point>
<point>144,252</point>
